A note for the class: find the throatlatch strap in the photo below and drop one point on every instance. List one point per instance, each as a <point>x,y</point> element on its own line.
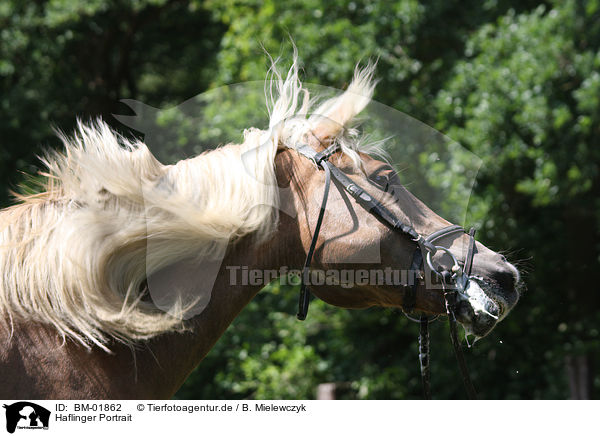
<point>304,298</point>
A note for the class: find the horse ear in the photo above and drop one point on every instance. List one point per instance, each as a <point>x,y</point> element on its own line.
<point>336,113</point>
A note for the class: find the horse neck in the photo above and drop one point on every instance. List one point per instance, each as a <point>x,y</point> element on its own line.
<point>171,357</point>
<point>37,364</point>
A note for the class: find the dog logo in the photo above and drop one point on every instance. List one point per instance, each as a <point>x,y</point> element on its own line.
<point>26,415</point>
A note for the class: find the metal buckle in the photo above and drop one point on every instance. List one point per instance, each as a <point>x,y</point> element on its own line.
<point>315,156</point>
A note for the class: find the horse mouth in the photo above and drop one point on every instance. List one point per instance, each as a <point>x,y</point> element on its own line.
<point>479,307</point>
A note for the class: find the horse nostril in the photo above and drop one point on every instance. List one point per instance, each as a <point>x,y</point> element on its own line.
<point>506,280</point>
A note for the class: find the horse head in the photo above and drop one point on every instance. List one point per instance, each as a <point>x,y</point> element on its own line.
<point>352,238</point>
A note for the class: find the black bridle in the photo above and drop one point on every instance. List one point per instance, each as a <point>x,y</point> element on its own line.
<point>456,278</point>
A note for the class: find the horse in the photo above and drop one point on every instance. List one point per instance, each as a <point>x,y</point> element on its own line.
<point>116,277</point>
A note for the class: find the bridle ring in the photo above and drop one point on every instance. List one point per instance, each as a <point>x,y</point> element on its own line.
<point>445,250</point>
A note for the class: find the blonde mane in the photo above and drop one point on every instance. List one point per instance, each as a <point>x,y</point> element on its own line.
<point>76,256</point>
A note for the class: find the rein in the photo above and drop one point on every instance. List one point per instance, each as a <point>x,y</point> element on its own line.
<point>457,277</point>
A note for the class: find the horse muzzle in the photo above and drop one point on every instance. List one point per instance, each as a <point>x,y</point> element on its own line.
<point>477,311</point>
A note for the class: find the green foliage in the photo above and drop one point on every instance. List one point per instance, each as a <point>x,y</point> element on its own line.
<point>264,354</point>
<point>525,99</point>
<point>61,59</point>
<point>267,353</point>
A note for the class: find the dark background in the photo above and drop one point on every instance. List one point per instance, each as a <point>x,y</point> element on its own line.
<point>515,82</point>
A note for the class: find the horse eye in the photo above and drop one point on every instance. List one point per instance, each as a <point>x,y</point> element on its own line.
<point>381,180</point>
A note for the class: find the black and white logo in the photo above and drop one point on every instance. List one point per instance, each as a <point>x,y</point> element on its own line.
<point>26,415</point>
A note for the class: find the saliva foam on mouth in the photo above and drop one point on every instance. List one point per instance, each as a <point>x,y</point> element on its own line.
<point>473,294</point>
